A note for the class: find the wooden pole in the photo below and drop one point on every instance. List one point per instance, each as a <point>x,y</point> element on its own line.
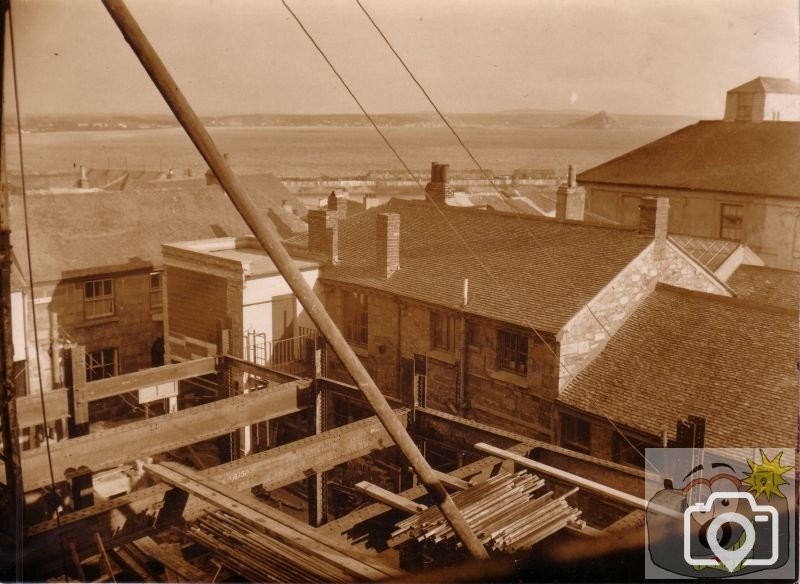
<point>268,237</point>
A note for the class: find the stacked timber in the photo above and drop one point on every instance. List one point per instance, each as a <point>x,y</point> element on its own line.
<point>258,557</point>
<point>503,513</point>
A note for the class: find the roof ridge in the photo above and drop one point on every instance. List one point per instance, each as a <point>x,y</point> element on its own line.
<point>512,214</point>
<point>735,301</point>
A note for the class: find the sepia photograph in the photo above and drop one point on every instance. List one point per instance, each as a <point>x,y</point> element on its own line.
<point>300,291</point>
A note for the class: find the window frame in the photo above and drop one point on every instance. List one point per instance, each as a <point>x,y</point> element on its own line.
<point>736,218</point>
<point>624,453</point>
<point>108,364</point>
<point>569,424</point>
<point>355,313</point>
<point>511,345</point>
<point>442,331</point>
<point>156,292</point>
<point>98,297</point>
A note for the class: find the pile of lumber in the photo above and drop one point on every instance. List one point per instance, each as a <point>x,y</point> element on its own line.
<point>258,557</point>
<point>502,512</point>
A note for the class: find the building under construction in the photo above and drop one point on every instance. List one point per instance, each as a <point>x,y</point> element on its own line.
<point>262,468</point>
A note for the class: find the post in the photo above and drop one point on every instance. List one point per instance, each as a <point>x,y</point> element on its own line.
<point>268,237</point>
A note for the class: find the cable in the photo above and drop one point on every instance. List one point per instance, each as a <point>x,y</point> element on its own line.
<point>488,177</point>
<point>485,174</point>
<point>31,280</point>
<point>449,223</point>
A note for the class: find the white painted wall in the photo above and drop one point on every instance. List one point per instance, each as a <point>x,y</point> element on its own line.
<point>257,301</point>
<point>18,325</point>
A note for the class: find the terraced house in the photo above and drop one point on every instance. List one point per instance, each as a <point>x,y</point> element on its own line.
<point>488,314</point>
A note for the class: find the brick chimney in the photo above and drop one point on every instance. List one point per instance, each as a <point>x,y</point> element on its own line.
<point>323,233</point>
<point>387,236</point>
<point>654,220</point>
<point>370,201</point>
<point>439,190</point>
<point>570,199</point>
<point>337,203</point>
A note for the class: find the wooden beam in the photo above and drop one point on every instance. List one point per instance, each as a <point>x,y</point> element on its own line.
<point>593,486</point>
<point>452,481</point>
<point>103,388</point>
<point>284,465</point>
<point>108,448</point>
<point>284,528</point>
<point>186,571</point>
<point>389,498</point>
<point>29,407</point>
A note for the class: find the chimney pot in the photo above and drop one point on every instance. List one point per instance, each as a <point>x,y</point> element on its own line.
<point>387,235</point>
<point>572,177</point>
<point>84,182</point>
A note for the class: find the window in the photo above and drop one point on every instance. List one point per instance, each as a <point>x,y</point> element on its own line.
<point>101,364</point>
<point>98,298</point>
<point>575,434</point>
<point>356,318</point>
<point>473,333</point>
<point>512,351</point>
<point>155,290</point>
<point>731,222</point>
<point>443,331</point>
<point>630,451</point>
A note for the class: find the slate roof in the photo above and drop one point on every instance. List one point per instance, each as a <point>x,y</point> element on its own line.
<point>542,271</point>
<point>680,353</point>
<point>761,159</point>
<point>78,233</point>
<point>769,286</point>
<point>767,85</point>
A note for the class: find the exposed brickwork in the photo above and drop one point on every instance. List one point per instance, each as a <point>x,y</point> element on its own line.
<point>323,232</point>
<point>387,239</point>
<point>197,303</point>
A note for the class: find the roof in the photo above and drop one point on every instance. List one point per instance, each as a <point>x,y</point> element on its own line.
<point>689,353</point>
<point>542,271</point>
<point>767,85</point>
<point>758,159</point>
<point>709,253</point>
<point>769,286</point>
<point>84,233</point>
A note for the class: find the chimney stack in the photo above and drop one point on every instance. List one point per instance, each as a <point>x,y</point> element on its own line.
<point>337,203</point>
<point>370,201</point>
<point>570,199</point>
<point>84,182</point>
<point>323,233</point>
<point>654,217</point>
<point>439,189</point>
<point>387,252</point>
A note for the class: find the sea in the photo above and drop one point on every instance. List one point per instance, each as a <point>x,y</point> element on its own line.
<point>342,151</point>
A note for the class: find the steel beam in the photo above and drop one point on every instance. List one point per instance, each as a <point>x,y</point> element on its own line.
<point>268,237</point>
<point>29,407</point>
<point>108,448</point>
<point>103,388</point>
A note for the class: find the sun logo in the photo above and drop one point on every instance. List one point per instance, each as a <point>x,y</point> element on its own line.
<point>766,478</point>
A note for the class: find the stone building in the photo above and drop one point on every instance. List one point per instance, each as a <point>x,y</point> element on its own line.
<point>736,179</point>
<point>682,354</point>
<point>493,314</point>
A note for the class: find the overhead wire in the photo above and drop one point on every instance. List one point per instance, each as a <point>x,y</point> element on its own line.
<point>31,287</point>
<point>488,177</point>
<point>435,204</point>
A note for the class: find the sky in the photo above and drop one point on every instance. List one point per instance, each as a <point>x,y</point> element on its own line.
<point>249,56</point>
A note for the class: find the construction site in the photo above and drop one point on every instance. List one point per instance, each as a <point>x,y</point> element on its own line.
<point>268,470</point>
